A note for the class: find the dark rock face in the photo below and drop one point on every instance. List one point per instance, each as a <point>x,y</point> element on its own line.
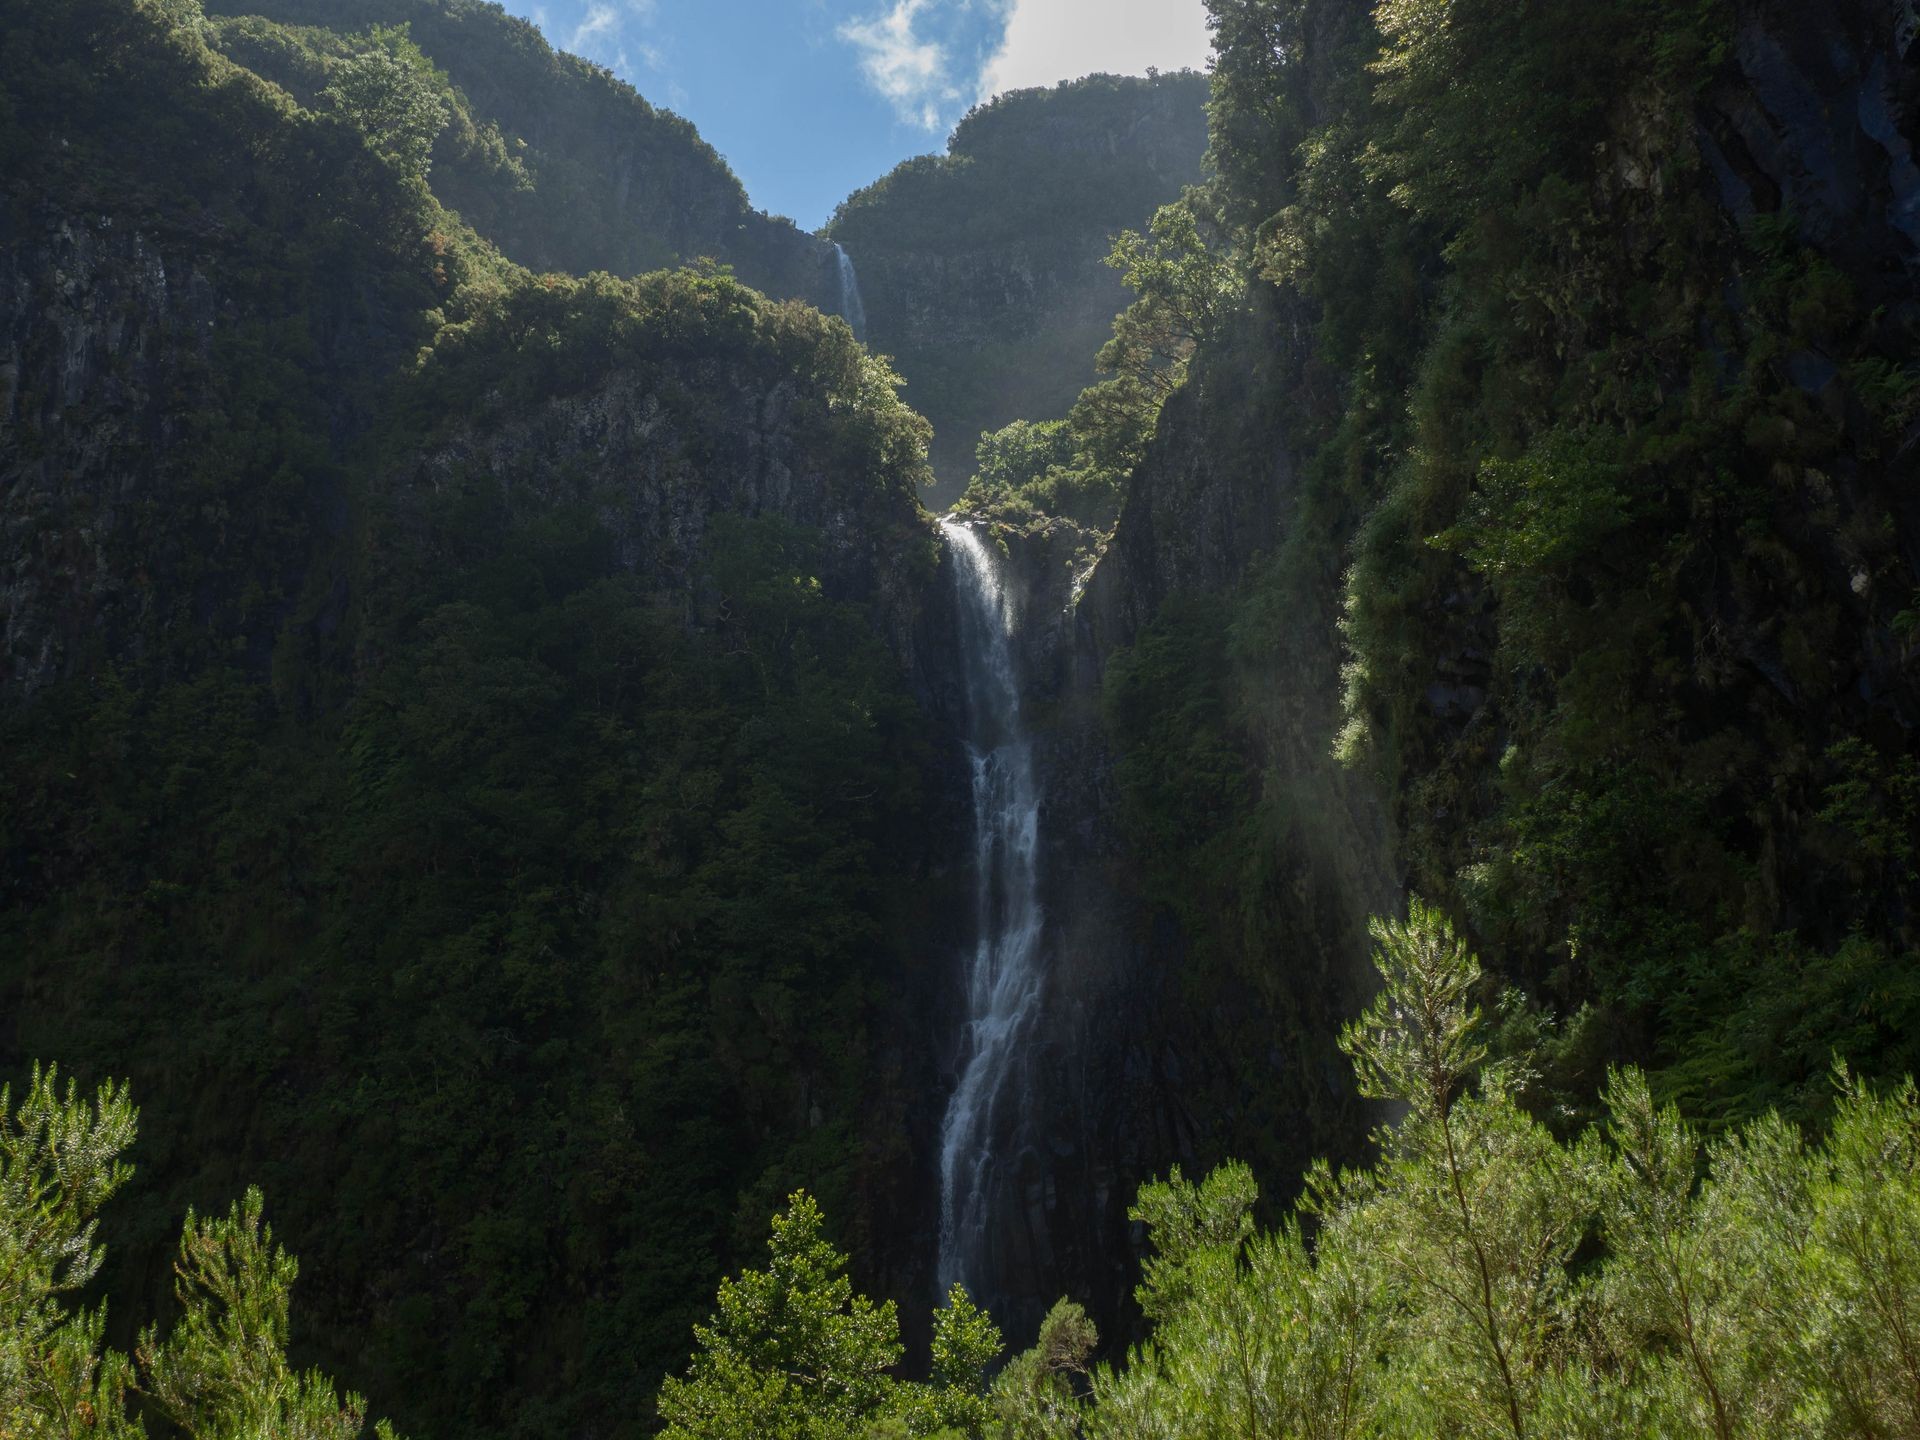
<point>656,481</point>
<point>1195,515</point>
<point>91,319</point>
<point>130,532</point>
<point>1137,1070</point>
<point>1817,114</point>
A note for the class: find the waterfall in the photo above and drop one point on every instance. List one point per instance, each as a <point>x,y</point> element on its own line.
<point>852,308</point>
<point>1003,980</point>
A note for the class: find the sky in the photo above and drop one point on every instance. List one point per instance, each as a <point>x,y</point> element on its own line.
<point>811,99</point>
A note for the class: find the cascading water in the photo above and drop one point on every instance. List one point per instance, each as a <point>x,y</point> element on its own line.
<point>1003,980</point>
<point>852,308</point>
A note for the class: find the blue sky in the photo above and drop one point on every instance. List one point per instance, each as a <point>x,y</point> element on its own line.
<point>811,99</point>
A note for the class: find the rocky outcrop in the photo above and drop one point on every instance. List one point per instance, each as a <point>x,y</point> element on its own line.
<point>92,321</point>
<point>1197,512</point>
<point>1816,115</point>
<point>142,520</point>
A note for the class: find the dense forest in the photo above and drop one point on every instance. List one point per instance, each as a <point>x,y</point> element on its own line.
<point>488,730</point>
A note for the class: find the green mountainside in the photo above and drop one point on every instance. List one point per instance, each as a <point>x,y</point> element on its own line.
<point>1588,551</point>
<point>981,269</point>
<point>482,715</point>
<point>558,163</point>
<point>461,766</point>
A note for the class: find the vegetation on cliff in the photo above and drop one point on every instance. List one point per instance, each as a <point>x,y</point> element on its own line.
<point>1185,286</point>
<point>462,772</point>
<point>1595,468</point>
<point>1481,1278</point>
<point>499,851</point>
<point>560,164</point>
<point>981,267</point>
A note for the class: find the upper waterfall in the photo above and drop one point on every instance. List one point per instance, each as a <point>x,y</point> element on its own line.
<point>852,308</point>
<point>1003,971</point>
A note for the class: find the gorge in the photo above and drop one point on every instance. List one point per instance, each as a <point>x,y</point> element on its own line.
<point>529,742</point>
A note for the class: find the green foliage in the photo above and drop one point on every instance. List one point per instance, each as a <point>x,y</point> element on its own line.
<point>1603,477</point>
<point>1483,97</point>
<point>966,1343</point>
<point>59,1164</point>
<point>793,1352</point>
<point>391,94</point>
<point>1077,468</point>
<point>1485,1279</point>
<point>406,805</point>
<point>221,1373</point>
<point>1033,188</point>
<point>1037,1397</point>
<point>1875,801</point>
<point>1187,283</point>
<point>531,138</point>
<point>1021,455</point>
<point>995,184</point>
<point>561,880</point>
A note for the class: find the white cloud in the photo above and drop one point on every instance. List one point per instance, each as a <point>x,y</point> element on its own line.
<point>911,71</point>
<point>1052,40</point>
<point>601,34</point>
<point>599,23</point>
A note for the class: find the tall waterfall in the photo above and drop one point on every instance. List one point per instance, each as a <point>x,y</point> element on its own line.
<point>1003,980</point>
<point>852,308</point>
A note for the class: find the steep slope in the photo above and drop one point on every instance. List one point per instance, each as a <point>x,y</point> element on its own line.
<point>560,164</point>
<point>1540,541</point>
<point>981,268</point>
<point>469,739</point>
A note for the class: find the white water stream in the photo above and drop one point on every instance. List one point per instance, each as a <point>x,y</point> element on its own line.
<point>1003,981</point>
<point>852,308</point>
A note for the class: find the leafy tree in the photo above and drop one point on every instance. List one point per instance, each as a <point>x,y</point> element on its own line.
<point>392,94</point>
<point>1682,1288</point>
<point>1251,1338</point>
<point>1475,1208</point>
<point>221,1373</point>
<point>1022,454</point>
<point>1036,1396</point>
<point>1077,468</point>
<point>792,1352</point>
<point>1188,283</point>
<point>1254,122</point>
<point>59,1163</point>
<point>955,1401</point>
